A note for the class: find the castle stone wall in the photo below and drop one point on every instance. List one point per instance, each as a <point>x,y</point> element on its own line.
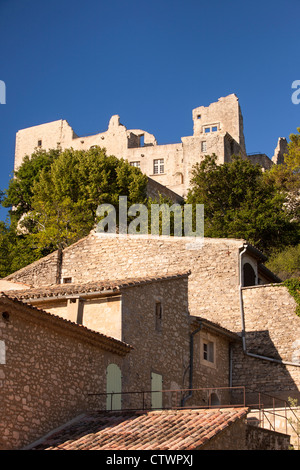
<point>222,119</point>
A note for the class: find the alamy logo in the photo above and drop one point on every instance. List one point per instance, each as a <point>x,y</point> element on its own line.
<point>2,92</point>
<point>160,220</point>
<point>296,94</point>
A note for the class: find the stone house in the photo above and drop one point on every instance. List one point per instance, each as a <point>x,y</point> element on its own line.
<point>48,366</point>
<point>122,344</point>
<point>219,290</point>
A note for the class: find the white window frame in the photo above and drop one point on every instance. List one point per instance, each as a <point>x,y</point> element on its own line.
<point>137,164</point>
<point>203,146</point>
<point>208,350</point>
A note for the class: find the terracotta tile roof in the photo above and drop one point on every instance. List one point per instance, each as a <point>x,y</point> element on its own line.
<point>69,289</point>
<point>152,430</point>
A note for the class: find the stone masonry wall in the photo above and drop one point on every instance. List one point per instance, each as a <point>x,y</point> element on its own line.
<point>213,283</point>
<point>162,347</point>
<point>232,438</point>
<point>272,330</point>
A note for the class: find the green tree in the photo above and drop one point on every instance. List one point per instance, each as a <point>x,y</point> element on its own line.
<point>292,159</point>
<point>285,263</point>
<point>53,199</point>
<point>240,203</point>
<point>18,196</point>
<point>66,197</point>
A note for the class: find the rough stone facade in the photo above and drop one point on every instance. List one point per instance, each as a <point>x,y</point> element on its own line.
<point>48,369</point>
<point>213,293</point>
<point>53,365</point>
<point>272,330</point>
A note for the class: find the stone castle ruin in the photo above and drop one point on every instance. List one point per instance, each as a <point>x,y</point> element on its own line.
<point>217,128</point>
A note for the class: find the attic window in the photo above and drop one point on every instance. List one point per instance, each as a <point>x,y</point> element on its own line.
<point>67,280</point>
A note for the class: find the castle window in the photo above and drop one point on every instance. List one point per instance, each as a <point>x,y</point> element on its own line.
<point>203,146</point>
<point>39,143</point>
<point>137,164</point>
<point>199,116</point>
<point>207,130</point>
<point>142,140</point>
<point>158,166</point>
<point>67,280</point>
<point>214,128</point>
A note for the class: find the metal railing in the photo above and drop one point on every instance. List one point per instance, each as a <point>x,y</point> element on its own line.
<point>173,398</point>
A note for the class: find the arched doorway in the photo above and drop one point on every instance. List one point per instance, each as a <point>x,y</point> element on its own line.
<point>214,400</point>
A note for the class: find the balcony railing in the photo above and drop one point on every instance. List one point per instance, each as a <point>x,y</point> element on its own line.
<point>265,410</point>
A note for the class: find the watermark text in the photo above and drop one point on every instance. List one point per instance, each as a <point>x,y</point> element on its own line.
<point>296,93</point>
<point>157,220</point>
<point>2,92</point>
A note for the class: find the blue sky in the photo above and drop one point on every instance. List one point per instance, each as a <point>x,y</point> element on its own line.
<point>151,62</point>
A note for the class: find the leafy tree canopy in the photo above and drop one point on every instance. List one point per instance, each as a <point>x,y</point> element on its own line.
<point>54,198</point>
<point>240,202</point>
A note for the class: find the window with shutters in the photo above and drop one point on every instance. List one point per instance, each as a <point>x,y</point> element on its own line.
<point>156,391</point>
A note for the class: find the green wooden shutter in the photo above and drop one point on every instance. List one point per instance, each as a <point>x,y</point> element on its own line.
<point>113,386</point>
<point>156,390</point>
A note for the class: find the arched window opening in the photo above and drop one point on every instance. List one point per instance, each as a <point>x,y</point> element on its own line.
<point>214,400</point>
<point>249,275</point>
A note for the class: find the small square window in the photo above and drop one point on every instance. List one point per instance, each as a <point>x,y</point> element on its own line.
<point>39,143</point>
<point>214,128</point>
<point>136,164</point>
<point>67,280</point>
<point>208,351</point>
<point>207,130</point>
<point>199,116</point>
